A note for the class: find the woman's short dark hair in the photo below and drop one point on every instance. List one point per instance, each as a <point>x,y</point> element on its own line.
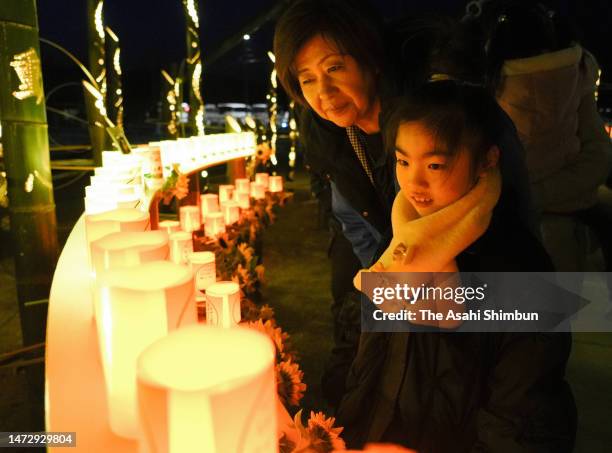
<point>458,116</point>
<point>349,25</point>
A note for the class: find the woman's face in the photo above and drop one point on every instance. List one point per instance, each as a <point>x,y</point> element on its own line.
<point>429,178</point>
<point>335,86</point>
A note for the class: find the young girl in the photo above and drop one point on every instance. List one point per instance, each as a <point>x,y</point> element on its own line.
<point>444,391</point>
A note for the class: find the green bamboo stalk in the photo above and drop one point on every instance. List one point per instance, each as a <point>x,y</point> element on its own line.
<point>26,155</point>
<point>114,95</point>
<point>193,68</point>
<point>97,66</point>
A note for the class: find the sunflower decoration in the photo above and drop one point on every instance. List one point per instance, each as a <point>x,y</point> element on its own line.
<point>319,436</point>
<point>284,350</point>
<point>175,185</point>
<point>289,383</point>
<point>263,153</point>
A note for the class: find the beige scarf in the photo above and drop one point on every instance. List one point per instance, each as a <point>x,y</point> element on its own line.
<point>430,243</point>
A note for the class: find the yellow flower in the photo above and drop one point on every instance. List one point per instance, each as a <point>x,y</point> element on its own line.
<point>323,433</point>
<point>289,383</point>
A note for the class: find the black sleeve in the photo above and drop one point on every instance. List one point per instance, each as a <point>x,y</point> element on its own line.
<point>530,407</point>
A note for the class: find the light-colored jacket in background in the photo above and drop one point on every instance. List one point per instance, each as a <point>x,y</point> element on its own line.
<point>550,98</point>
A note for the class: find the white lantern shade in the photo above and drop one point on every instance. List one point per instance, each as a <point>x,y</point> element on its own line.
<point>225,193</point>
<point>169,226</point>
<point>204,269</point>
<point>209,390</point>
<point>210,203</point>
<point>231,212</point>
<point>190,218</point>
<point>223,304</point>
<point>99,225</point>
<point>243,199</point>
<point>181,246</point>
<point>214,224</point>
<point>275,184</point>
<point>138,306</point>
<point>258,191</point>
<point>263,179</point>
<point>242,185</point>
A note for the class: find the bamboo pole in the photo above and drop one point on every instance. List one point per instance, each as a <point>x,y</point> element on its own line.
<point>30,190</point>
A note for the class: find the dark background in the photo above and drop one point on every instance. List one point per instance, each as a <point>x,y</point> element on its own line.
<point>152,36</point>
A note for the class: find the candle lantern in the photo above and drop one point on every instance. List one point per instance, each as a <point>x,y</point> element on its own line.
<point>208,389</point>
<point>210,203</point>
<point>138,306</point>
<point>231,212</point>
<point>124,249</point>
<point>242,185</point>
<point>276,184</point>
<point>225,193</point>
<point>243,199</point>
<point>152,170</point>
<point>181,245</point>
<point>258,191</point>
<point>223,304</point>
<point>214,224</point>
<point>169,226</point>
<point>99,225</point>
<point>263,179</point>
<point>204,269</point>
<point>190,218</point>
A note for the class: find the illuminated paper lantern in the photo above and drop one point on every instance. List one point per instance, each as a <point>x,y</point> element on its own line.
<point>124,249</point>
<point>242,185</point>
<point>152,170</point>
<point>225,193</point>
<point>118,220</point>
<point>263,179</point>
<point>138,306</point>
<point>223,304</point>
<point>190,218</point>
<point>214,224</point>
<point>243,199</point>
<point>208,390</point>
<point>210,203</point>
<point>275,184</point>
<point>204,269</point>
<point>231,212</point>
<point>258,191</point>
<point>181,246</point>
<point>169,226</point>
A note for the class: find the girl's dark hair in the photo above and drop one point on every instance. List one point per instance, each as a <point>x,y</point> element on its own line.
<point>522,29</point>
<point>350,25</point>
<point>459,116</point>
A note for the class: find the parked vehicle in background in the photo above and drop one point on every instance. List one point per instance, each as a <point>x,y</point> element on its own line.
<point>260,112</point>
<point>236,109</point>
<point>212,116</point>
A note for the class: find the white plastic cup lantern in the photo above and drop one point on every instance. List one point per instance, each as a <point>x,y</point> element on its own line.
<point>190,218</point>
<point>258,191</point>
<point>242,185</point>
<point>210,390</point>
<point>138,306</point>
<point>276,184</point>
<point>243,199</point>
<point>204,269</point>
<point>169,226</point>
<point>210,203</point>
<point>225,193</point>
<point>223,304</point>
<point>214,224</point>
<point>263,179</point>
<point>231,212</point>
<point>181,246</point>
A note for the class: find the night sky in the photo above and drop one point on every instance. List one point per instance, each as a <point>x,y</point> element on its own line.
<point>152,37</point>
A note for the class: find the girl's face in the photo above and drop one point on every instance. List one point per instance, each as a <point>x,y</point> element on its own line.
<point>335,86</point>
<point>429,178</point>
